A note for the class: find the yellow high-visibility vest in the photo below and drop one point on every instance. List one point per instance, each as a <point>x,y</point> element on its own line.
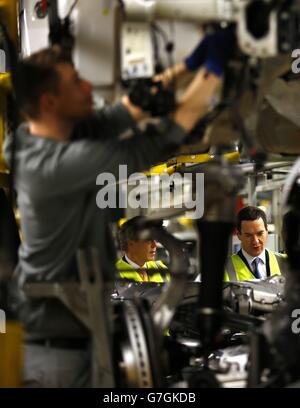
<point>128,272</point>
<point>237,270</point>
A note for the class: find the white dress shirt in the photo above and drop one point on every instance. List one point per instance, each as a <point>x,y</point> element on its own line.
<point>262,265</point>
<point>133,264</point>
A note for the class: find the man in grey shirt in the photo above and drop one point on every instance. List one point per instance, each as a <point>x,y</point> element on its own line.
<point>60,151</point>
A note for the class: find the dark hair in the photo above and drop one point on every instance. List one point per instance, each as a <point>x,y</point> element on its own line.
<point>129,230</point>
<point>250,213</point>
<point>36,75</point>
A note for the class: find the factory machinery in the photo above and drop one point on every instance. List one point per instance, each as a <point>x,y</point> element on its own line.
<point>219,334</point>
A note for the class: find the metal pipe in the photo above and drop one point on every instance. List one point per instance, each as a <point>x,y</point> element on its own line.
<point>187,10</point>
<point>165,306</point>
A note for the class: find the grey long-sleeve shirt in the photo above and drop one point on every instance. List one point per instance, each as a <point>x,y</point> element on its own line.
<point>56,186</point>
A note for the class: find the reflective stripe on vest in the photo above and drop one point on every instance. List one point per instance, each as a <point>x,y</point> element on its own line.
<point>237,270</point>
<point>132,274</point>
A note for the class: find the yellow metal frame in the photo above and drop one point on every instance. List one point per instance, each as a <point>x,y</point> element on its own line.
<point>11,343</point>
<point>172,165</point>
<point>8,15</point>
<point>11,355</point>
<point>8,10</point>
<point>5,86</point>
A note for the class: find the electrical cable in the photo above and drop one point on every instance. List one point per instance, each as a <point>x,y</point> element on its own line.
<point>158,63</point>
<point>72,8</point>
<point>169,48</point>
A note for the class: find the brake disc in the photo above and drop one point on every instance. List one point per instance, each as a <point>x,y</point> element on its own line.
<point>136,351</point>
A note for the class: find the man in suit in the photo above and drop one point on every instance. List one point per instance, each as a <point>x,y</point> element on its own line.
<point>253,260</point>
<point>138,255</point>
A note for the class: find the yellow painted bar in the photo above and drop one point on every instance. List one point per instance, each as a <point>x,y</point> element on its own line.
<point>8,10</point>
<point>11,355</point>
<point>5,85</point>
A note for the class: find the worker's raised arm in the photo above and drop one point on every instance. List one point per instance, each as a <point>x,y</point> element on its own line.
<point>211,53</point>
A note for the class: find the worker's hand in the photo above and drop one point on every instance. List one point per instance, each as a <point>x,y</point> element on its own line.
<point>196,99</point>
<point>213,52</point>
<point>136,112</point>
<point>171,74</point>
